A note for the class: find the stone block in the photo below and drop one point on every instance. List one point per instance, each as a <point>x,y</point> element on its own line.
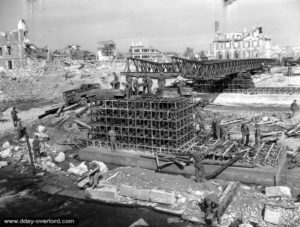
<point>51,189</point>
<point>278,191</point>
<point>106,193</point>
<point>125,190</point>
<point>272,215</point>
<point>160,196</point>
<point>141,194</point>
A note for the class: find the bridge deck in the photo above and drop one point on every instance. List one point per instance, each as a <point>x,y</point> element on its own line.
<point>192,69</point>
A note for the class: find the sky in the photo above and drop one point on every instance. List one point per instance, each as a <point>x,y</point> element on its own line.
<point>169,25</point>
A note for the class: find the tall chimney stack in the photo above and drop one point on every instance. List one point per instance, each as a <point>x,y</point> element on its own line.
<point>217,26</point>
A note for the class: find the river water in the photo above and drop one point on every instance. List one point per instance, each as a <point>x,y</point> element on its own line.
<point>22,198</point>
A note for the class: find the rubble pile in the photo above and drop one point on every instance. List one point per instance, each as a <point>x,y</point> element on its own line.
<point>32,70</point>
<point>187,193</point>
<point>252,206</point>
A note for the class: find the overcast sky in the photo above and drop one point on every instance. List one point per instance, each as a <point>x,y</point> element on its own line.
<point>169,25</point>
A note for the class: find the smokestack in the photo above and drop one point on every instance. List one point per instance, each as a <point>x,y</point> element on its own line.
<point>216,26</point>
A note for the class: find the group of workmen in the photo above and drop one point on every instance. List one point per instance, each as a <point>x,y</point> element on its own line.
<point>220,131</point>
<point>21,132</point>
<point>132,86</point>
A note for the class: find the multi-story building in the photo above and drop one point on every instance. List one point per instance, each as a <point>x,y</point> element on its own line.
<point>254,44</point>
<point>280,51</point>
<point>138,50</point>
<point>12,47</point>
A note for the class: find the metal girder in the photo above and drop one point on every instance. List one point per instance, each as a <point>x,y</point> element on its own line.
<point>143,68</point>
<point>192,69</point>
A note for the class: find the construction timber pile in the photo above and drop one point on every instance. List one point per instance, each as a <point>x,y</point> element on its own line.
<point>146,123</point>
<point>219,152</point>
<point>230,76</point>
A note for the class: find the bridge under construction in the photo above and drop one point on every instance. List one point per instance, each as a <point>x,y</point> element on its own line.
<point>212,76</point>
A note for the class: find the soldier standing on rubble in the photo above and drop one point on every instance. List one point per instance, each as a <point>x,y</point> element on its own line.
<point>20,129</point>
<point>36,147</point>
<point>136,85</point>
<point>94,174</point>
<point>215,127</point>
<point>115,83</point>
<point>161,83</point>
<point>257,135</point>
<point>14,116</point>
<point>197,158</point>
<point>294,108</point>
<point>112,138</point>
<point>245,133</point>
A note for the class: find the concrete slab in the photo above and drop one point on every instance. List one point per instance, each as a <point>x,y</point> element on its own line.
<point>278,191</point>
<point>160,196</point>
<point>105,193</point>
<point>125,190</point>
<point>272,215</point>
<point>141,194</point>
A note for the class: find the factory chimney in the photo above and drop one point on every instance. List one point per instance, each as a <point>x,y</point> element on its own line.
<point>217,25</point>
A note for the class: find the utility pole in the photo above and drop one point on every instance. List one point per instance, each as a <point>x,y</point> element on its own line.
<point>29,150</point>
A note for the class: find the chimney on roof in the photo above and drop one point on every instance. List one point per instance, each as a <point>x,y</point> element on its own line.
<point>217,25</point>
<point>260,30</point>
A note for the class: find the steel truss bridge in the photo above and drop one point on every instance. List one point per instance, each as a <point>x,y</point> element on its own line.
<point>192,69</point>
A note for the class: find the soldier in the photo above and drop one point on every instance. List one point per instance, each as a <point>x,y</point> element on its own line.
<point>180,86</point>
<point>257,135</point>
<point>36,147</point>
<point>245,133</point>
<point>115,83</point>
<point>199,119</point>
<point>161,83</point>
<point>211,205</point>
<point>216,130</point>
<point>14,116</point>
<point>144,85</point>
<point>289,73</point>
<point>112,138</point>
<point>199,168</point>
<point>149,85</point>
<point>294,108</point>
<point>224,132</point>
<point>136,86</point>
<point>128,87</point>
<point>20,129</point>
<point>94,174</point>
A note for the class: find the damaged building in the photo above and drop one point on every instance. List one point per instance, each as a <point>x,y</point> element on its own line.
<point>106,50</point>
<point>12,47</point>
<point>238,45</point>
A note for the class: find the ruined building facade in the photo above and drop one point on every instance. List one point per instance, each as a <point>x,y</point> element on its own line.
<point>254,44</point>
<point>12,47</point>
<point>138,50</point>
